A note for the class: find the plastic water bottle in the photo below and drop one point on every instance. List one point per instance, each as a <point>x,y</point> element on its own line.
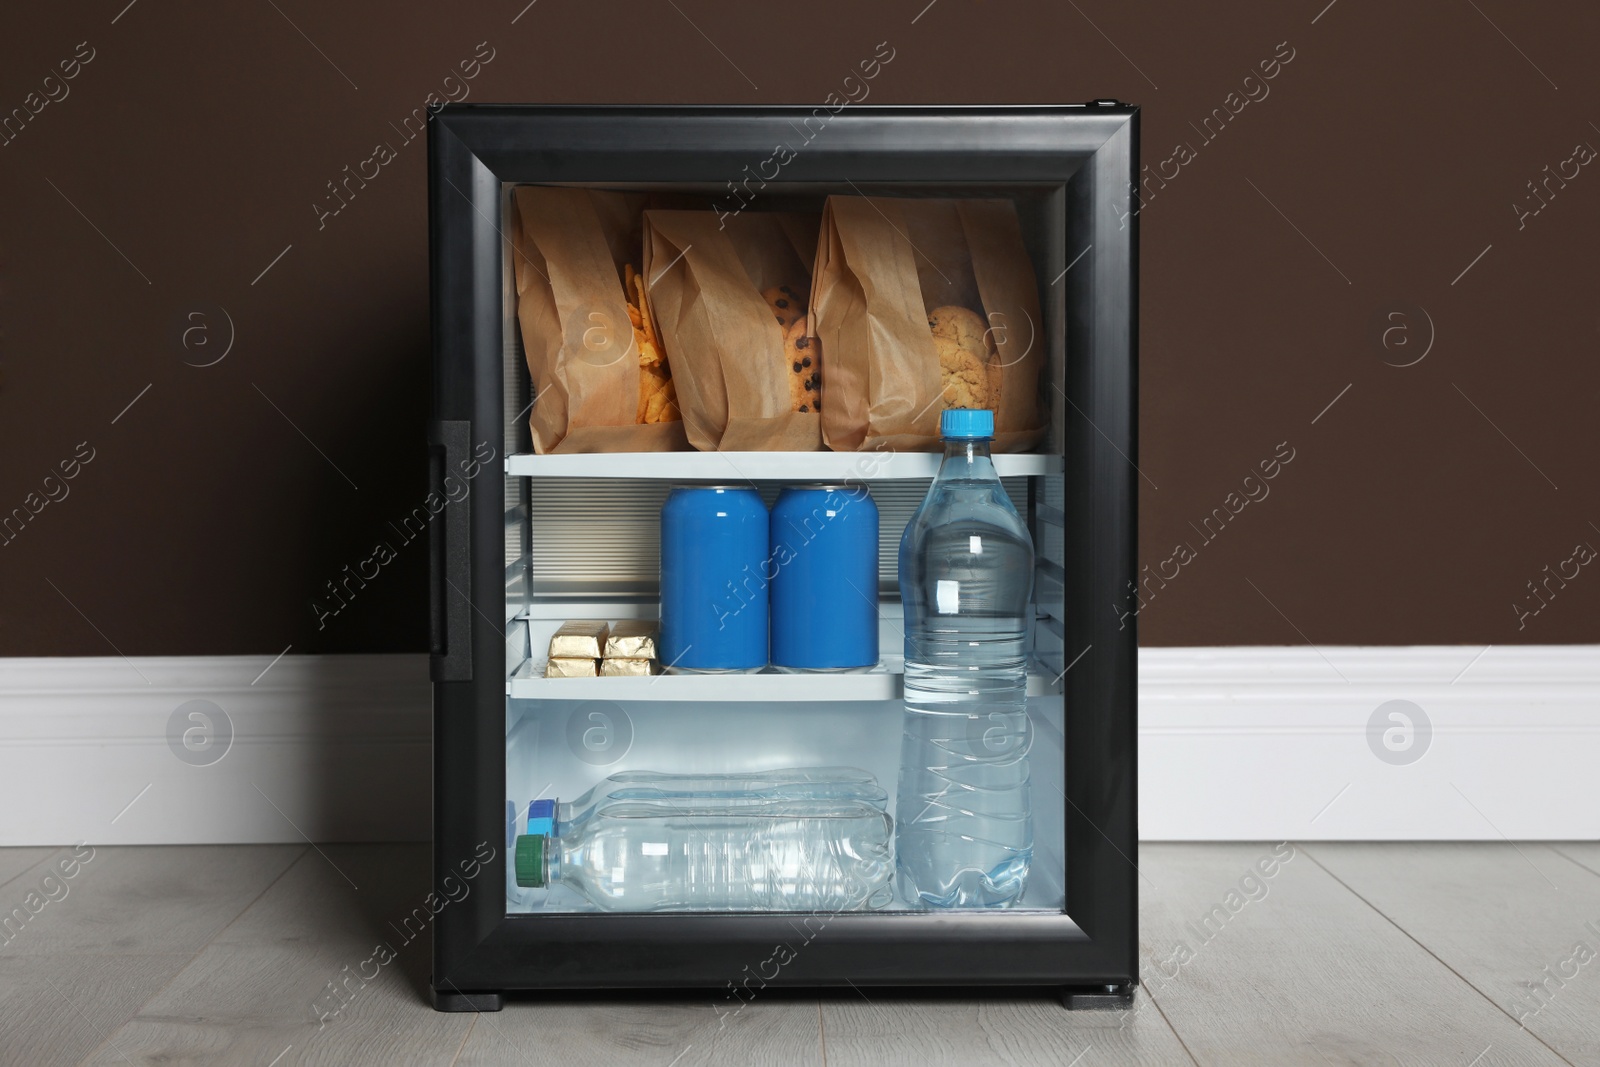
<point>965,828</point>
<point>813,839</point>
<point>786,783</point>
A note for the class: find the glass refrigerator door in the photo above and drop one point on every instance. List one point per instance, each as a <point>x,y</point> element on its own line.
<point>582,542</point>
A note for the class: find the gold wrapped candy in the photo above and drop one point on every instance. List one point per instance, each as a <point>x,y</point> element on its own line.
<point>632,639</point>
<point>570,667</point>
<point>628,668</point>
<point>628,649</point>
<point>579,639</point>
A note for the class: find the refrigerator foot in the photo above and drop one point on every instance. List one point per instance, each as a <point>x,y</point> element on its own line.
<point>456,1000</point>
<point>1097,997</point>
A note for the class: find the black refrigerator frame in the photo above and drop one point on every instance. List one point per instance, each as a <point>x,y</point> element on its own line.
<point>479,952</point>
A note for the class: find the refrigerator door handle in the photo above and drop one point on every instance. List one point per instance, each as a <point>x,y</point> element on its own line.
<point>450,557</point>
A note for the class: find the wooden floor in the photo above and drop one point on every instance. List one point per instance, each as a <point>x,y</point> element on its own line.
<point>1465,954</point>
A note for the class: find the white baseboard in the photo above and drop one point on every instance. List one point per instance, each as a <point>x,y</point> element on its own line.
<point>340,744</point>
<point>1235,744</point>
<point>1272,743</point>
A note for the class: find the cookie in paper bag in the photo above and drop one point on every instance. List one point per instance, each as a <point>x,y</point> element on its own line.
<point>804,357</point>
<point>788,304</point>
<point>969,367</point>
<point>658,397</point>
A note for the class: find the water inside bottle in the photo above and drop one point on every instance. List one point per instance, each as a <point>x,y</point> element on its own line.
<point>791,839</point>
<point>965,826</point>
<point>744,855</point>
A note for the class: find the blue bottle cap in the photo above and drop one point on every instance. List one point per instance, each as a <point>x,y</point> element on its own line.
<point>541,816</point>
<point>962,423</point>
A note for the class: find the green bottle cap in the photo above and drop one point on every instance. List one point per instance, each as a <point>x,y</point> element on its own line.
<point>530,860</point>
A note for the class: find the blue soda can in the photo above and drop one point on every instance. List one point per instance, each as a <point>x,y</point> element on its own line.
<point>824,564</point>
<point>713,579</point>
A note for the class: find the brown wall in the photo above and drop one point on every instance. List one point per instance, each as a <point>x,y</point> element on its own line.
<point>1388,154</point>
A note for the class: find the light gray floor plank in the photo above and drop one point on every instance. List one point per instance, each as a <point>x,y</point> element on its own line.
<point>355,893</point>
<point>299,968</point>
<point>339,902</point>
<point>1584,853</point>
<point>1295,968</point>
<point>248,1004</point>
<point>1022,1030</point>
<point>1506,918</point>
<point>767,1032</point>
<point>59,1009</point>
<point>150,899</point>
<point>16,861</point>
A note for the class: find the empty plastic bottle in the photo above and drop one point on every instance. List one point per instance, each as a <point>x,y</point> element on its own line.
<point>812,839</point>
<point>964,834</point>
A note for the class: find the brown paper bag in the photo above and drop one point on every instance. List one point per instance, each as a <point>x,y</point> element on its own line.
<point>705,280</point>
<point>882,266</point>
<point>569,250</point>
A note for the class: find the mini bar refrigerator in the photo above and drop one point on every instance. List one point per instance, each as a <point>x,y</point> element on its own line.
<point>528,540</point>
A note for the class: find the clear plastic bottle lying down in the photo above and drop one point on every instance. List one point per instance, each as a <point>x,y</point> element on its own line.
<point>807,783</point>
<point>812,839</point>
<point>965,827</point>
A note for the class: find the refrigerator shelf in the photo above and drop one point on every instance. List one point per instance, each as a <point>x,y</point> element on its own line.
<point>527,682</point>
<point>760,466</point>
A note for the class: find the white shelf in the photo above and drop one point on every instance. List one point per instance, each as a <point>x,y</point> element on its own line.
<point>759,466</point>
<point>527,682</point>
